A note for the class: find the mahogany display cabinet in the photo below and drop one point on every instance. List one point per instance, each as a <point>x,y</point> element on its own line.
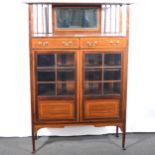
<point>78,64</point>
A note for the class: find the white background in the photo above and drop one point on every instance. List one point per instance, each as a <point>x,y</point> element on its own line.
<point>15,118</point>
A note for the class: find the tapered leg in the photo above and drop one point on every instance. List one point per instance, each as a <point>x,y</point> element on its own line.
<point>117,131</point>
<point>36,136</point>
<point>123,138</point>
<point>33,142</point>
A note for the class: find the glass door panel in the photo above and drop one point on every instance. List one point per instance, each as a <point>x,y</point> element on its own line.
<point>112,59</point>
<point>112,74</point>
<point>56,74</point>
<point>46,75</point>
<point>46,89</point>
<point>66,82</point>
<point>65,75</point>
<point>102,74</point>
<point>66,88</point>
<point>93,60</point>
<point>111,88</point>
<point>65,59</point>
<point>92,89</point>
<point>93,75</point>
<point>45,60</point>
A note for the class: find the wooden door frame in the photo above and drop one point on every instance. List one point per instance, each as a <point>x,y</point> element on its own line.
<point>34,83</point>
<point>123,80</point>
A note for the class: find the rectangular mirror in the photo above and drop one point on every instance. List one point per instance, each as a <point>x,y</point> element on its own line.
<point>77,18</point>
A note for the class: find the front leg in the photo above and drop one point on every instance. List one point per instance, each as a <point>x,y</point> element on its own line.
<point>117,131</point>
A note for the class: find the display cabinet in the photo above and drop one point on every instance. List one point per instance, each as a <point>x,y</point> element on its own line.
<point>78,63</point>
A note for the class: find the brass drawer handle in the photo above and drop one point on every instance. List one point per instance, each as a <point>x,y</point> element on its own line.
<point>117,42</point>
<point>43,43</point>
<point>114,42</point>
<point>40,43</point>
<point>111,42</point>
<point>67,43</point>
<point>91,43</point>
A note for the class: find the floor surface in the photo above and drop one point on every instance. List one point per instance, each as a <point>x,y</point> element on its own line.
<point>136,144</point>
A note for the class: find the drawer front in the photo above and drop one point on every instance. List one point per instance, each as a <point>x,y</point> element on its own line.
<point>94,43</point>
<point>58,43</point>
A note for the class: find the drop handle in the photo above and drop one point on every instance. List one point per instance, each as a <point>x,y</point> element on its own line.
<point>43,43</point>
<point>111,41</point>
<point>117,41</point>
<point>67,43</point>
<point>40,43</point>
<point>91,43</point>
<point>114,42</point>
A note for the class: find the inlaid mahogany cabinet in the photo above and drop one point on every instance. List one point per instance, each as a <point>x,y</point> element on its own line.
<point>78,63</point>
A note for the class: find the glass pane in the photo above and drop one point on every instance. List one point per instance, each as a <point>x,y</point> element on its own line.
<point>112,74</point>
<point>45,60</point>
<point>93,59</point>
<point>65,59</point>
<point>46,76</point>
<point>76,18</point>
<point>65,75</point>
<point>112,59</point>
<point>93,74</point>
<point>93,88</point>
<point>46,89</point>
<point>112,88</point>
<point>67,88</point>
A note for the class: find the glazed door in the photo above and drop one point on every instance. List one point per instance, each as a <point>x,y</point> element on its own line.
<point>56,85</point>
<point>102,83</point>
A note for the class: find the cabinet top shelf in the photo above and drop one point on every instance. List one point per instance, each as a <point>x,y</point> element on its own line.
<point>90,2</point>
<point>63,18</point>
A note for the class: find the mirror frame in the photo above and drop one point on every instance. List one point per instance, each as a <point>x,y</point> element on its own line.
<point>78,30</point>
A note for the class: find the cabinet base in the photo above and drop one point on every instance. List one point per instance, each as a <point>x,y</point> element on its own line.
<point>118,125</point>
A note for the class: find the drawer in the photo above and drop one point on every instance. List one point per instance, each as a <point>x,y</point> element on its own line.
<point>58,43</point>
<point>103,43</point>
